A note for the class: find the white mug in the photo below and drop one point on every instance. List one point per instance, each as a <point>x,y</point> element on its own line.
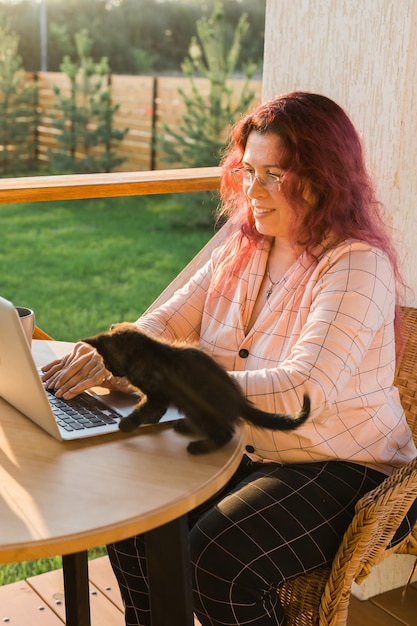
<point>27,318</point>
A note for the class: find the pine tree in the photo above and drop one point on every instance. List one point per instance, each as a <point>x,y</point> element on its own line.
<point>203,133</point>
<point>18,114</point>
<point>87,137</point>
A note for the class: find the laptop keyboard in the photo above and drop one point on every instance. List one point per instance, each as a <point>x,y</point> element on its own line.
<point>81,412</point>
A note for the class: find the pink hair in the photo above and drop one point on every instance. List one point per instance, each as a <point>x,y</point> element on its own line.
<point>321,150</point>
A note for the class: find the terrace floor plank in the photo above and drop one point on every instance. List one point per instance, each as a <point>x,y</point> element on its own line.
<point>39,601</point>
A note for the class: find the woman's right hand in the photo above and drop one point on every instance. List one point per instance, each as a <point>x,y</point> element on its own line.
<point>79,370</point>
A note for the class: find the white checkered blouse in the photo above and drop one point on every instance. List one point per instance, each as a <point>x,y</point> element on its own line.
<point>326,330</point>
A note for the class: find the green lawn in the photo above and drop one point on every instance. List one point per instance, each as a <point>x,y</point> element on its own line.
<point>82,265</point>
<point>11,572</point>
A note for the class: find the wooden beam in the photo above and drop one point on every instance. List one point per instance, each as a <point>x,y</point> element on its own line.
<point>77,186</point>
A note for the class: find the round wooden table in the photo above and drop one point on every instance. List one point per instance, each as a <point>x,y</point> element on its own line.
<point>66,497</point>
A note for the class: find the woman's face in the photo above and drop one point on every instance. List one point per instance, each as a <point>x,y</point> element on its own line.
<point>271,210</point>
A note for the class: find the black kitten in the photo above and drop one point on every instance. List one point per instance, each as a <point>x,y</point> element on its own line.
<point>183,376</point>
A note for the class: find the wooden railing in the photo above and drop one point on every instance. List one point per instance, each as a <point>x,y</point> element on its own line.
<point>78,186</point>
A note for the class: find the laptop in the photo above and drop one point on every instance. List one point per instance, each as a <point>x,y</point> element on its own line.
<point>87,415</point>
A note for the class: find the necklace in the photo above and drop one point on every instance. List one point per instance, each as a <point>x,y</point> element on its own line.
<point>271,284</point>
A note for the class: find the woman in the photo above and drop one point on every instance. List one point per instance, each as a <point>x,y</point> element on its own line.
<point>300,299</point>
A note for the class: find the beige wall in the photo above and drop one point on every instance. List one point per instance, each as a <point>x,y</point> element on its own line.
<point>364,56</point>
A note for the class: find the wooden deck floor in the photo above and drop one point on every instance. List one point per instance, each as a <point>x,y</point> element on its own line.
<point>39,601</point>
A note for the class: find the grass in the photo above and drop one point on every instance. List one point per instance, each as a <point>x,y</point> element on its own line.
<point>11,572</point>
<point>83,265</point>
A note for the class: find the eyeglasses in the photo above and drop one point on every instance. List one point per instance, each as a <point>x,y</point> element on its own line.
<point>247,177</point>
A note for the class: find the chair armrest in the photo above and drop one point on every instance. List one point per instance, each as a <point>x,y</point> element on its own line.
<point>38,333</point>
<point>378,515</point>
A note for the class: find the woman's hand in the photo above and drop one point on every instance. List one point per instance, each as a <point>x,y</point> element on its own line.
<point>79,370</point>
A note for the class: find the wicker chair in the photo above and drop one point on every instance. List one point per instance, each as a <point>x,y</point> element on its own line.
<point>322,597</point>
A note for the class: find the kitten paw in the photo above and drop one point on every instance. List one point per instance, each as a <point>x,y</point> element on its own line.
<point>202,446</point>
<point>127,424</point>
<point>184,426</point>
<point>197,447</point>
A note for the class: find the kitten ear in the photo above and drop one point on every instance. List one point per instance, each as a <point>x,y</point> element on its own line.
<point>93,341</point>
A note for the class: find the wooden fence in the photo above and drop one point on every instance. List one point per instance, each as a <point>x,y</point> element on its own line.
<point>145,102</point>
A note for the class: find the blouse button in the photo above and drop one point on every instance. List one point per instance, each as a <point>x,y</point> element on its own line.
<point>243,353</point>
<point>250,449</point>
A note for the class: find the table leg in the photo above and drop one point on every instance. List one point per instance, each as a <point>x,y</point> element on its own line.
<point>169,574</point>
<point>77,597</point>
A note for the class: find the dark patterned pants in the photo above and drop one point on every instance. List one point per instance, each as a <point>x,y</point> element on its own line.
<point>269,524</point>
